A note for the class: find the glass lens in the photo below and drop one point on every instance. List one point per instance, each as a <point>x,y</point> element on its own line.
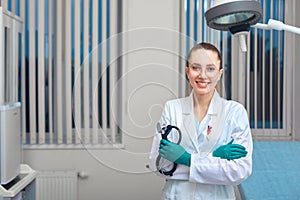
<point>234,18</point>
<point>209,71</point>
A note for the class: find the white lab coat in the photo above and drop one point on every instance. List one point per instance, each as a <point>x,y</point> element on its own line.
<point>208,177</point>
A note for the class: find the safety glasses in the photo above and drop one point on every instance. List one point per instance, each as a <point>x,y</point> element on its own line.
<point>209,70</point>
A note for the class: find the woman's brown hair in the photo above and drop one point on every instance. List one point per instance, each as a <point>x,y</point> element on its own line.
<point>206,46</point>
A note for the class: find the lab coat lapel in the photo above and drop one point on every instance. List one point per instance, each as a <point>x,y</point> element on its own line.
<point>189,123</point>
<point>215,126</point>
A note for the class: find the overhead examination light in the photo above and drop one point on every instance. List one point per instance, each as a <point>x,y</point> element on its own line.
<point>235,16</point>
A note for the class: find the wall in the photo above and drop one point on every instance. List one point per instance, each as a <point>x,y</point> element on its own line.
<point>297,73</point>
<point>150,77</point>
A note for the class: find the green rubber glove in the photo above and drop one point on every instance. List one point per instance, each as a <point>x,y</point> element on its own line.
<point>174,153</point>
<point>230,151</point>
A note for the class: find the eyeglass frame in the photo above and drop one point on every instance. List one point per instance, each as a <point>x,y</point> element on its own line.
<point>215,70</point>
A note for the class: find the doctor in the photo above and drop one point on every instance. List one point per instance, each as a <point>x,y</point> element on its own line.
<point>215,152</point>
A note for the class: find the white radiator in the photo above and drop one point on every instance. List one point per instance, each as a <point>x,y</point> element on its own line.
<point>58,185</point>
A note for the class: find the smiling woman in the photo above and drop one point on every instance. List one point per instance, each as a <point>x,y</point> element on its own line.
<point>204,68</point>
<point>216,136</point>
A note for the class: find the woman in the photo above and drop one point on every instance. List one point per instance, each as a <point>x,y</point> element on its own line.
<point>215,152</point>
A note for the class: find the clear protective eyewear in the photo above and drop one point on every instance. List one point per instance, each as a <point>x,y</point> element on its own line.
<point>209,70</point>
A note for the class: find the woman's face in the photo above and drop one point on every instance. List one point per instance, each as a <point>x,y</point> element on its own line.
<point>203,71</point>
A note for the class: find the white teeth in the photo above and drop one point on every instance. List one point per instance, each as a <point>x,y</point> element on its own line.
<point>201,83</point>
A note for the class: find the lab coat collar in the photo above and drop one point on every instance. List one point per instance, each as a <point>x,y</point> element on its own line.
<point>213,109</point>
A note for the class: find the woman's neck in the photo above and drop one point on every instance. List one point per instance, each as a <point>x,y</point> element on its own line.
<point>202,100</point>
<point>201,104</point>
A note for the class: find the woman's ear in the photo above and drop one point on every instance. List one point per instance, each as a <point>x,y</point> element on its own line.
<point>187,71</point>
<point>220,73</point>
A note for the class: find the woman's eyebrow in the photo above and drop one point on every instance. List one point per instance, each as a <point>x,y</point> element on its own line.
<point>196,64</point>
<point>210,65</point>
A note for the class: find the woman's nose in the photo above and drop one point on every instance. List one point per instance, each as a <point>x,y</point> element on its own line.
<point>202,73</point>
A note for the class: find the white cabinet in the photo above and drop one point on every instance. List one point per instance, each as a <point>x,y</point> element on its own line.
<point>10,142</point>
<point>17,180</point>
<point>22,188</point>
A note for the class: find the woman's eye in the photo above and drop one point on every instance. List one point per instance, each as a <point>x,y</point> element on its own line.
<point>196,68</point>
<point>211,69</point>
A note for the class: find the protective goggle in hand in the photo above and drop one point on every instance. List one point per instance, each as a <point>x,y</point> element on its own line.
<point>172,134</point>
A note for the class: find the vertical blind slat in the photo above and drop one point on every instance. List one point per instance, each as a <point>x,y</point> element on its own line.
<point>13,6</point>
<point>286,71</point>
<point>95,76</point>
<point>279,81</point>
<point>255,78</point>
<point>182,47</point>
<point>41,71</point>
<point>224,45</point>
<point>192,19</point>
<point>32,73</point>
<point>200,20</point>
<point>113,69</point>
<point>22,11</point>
<point>50,70</point>
<point>58,72</point>
<point>68,71</point>
<point>85,65</point>
<point>279,73</point>
<point>271,73</point>
<point>23,90</point>
<point>263,72</point>
<point>233,70</point>
<point>77,72</point>
<point>104,67</point>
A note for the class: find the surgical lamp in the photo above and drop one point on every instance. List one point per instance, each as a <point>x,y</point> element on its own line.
<point>237,16</point>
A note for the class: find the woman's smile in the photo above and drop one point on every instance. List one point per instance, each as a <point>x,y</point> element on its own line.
<point>202,84</point>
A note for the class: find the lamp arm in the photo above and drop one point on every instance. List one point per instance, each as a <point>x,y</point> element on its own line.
<point>261,26</point>
<point>277,25</point>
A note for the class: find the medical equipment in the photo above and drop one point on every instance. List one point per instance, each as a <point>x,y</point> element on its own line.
<point>10,140</point>
<point>237,16</point>
<point>170,135</point>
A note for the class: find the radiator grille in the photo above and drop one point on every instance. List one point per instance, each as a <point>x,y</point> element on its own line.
<point>58,185</point>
